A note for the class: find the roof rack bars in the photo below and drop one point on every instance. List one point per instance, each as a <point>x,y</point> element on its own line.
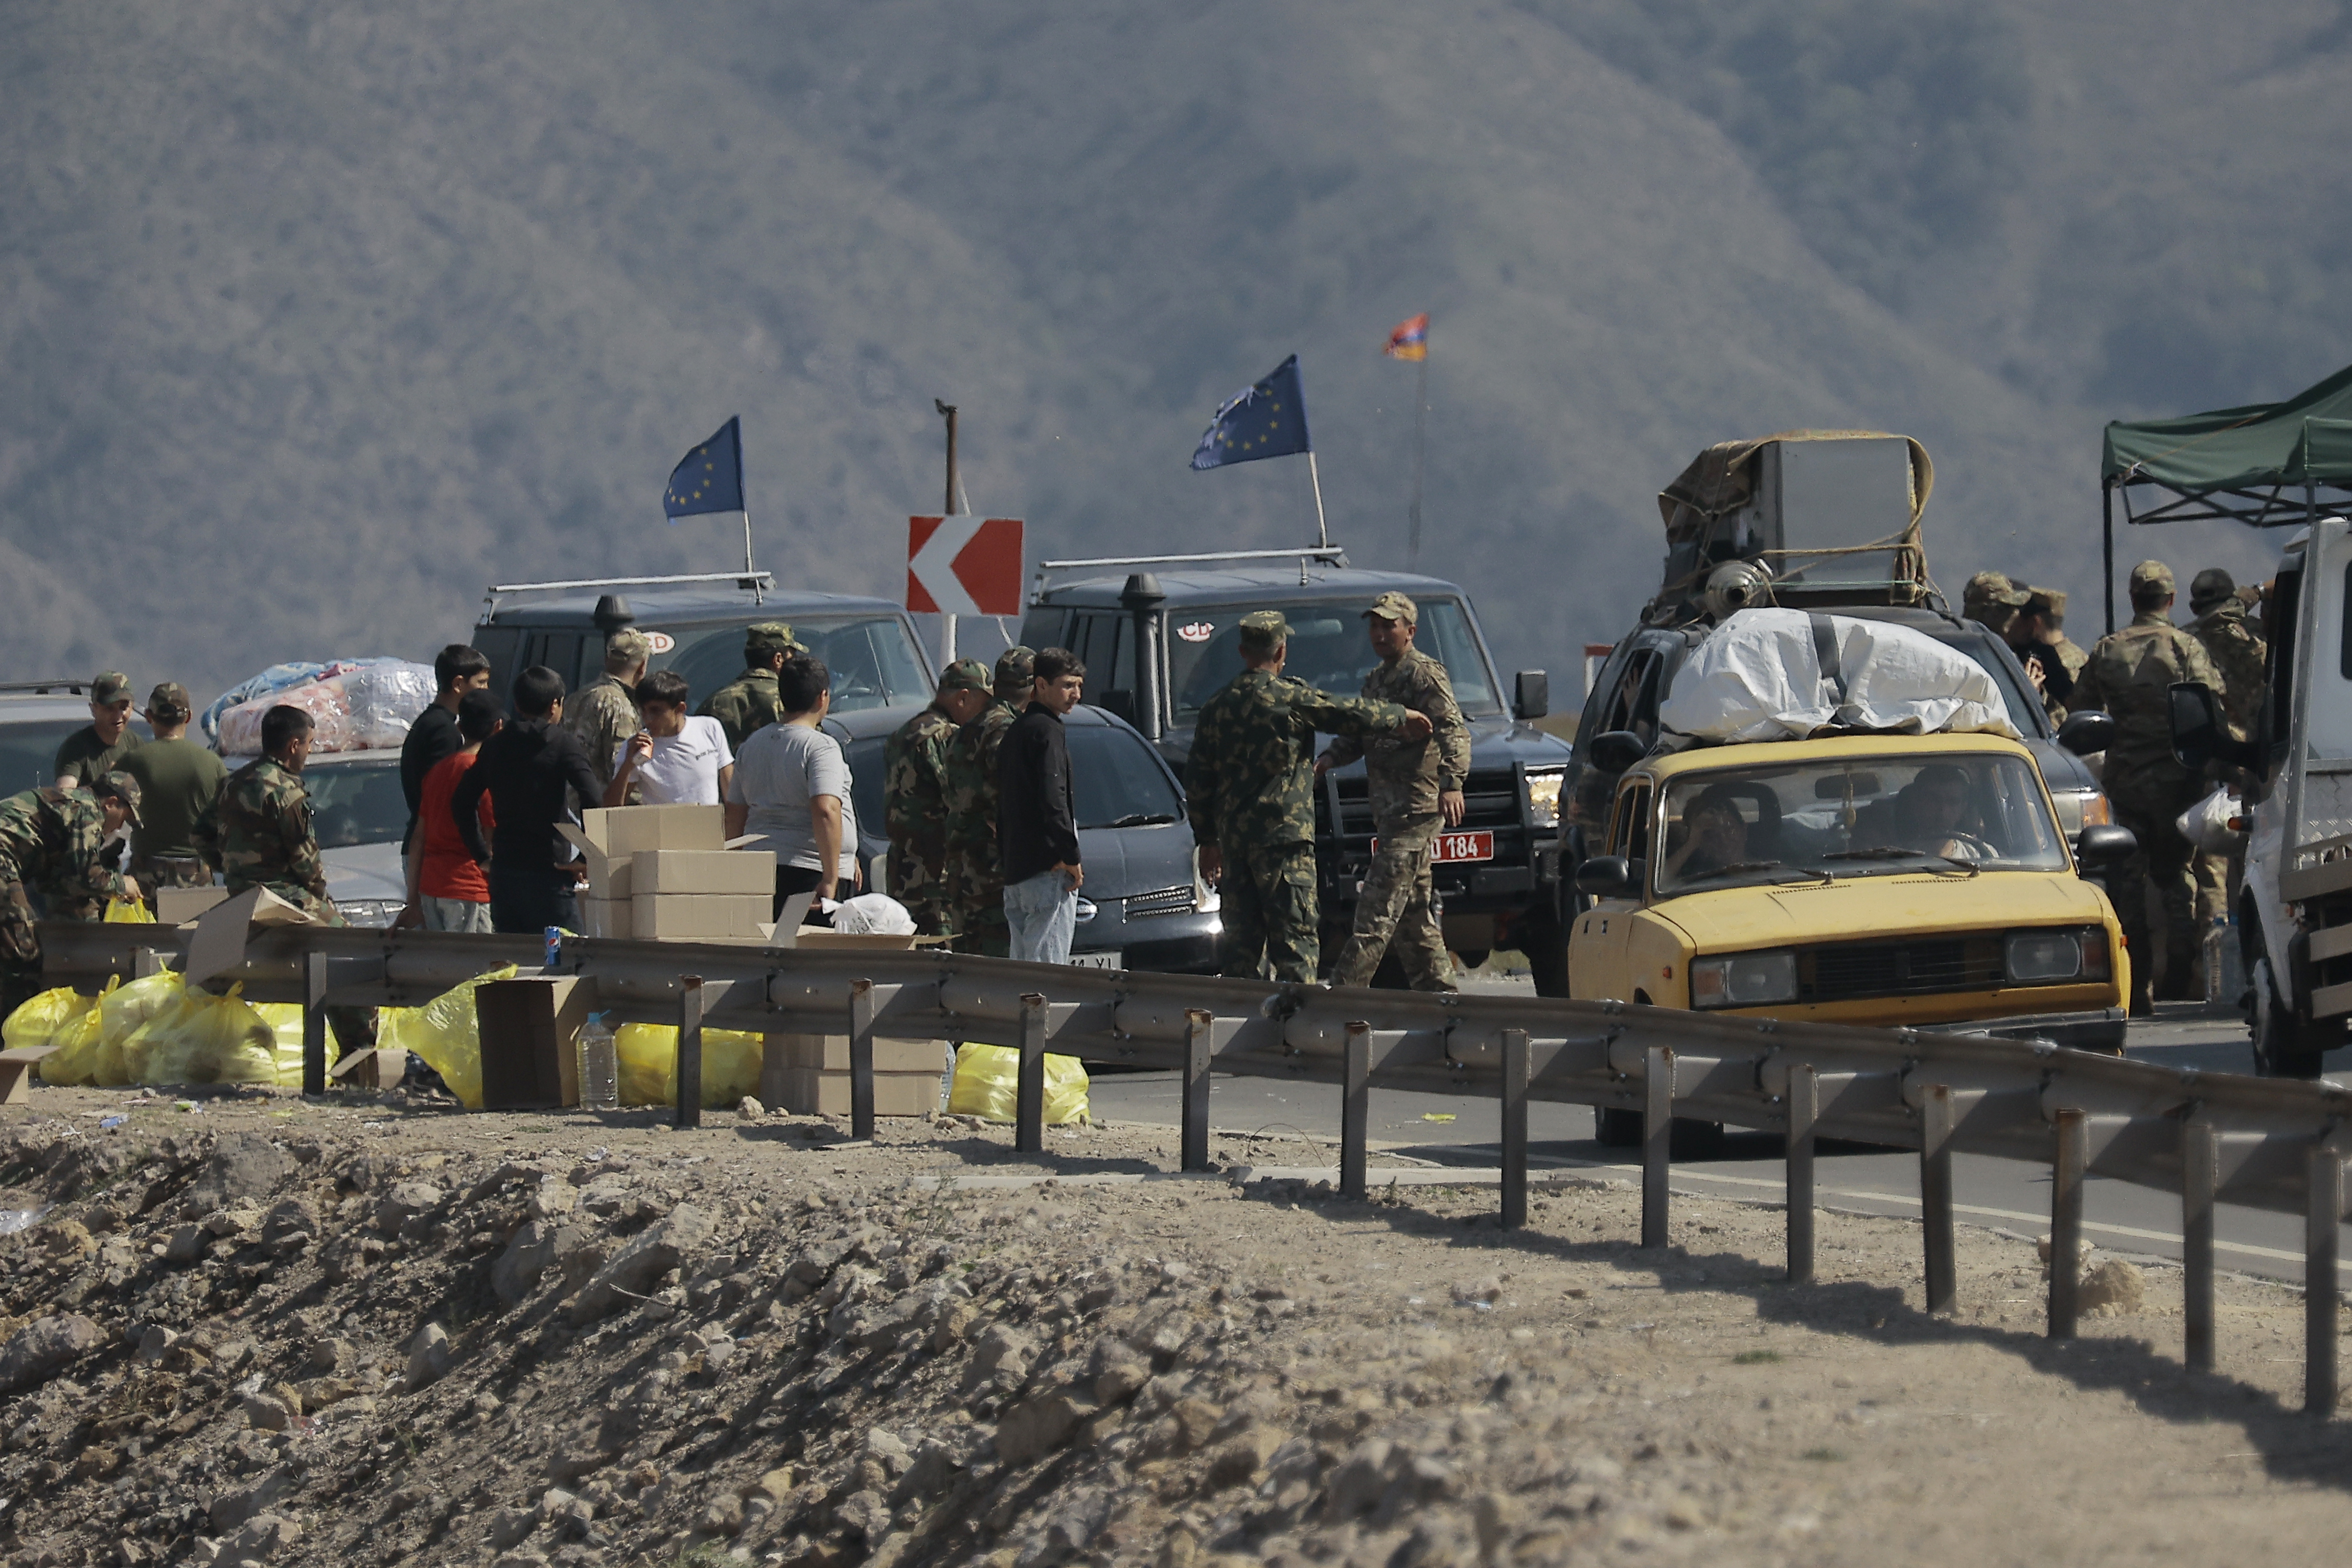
<point>1332,552</point>
<point>42,688</point>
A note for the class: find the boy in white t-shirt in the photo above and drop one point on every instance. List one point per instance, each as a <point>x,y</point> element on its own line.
<point>675,760</point>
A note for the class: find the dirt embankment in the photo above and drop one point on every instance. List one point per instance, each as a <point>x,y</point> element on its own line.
<point>291,1335</point>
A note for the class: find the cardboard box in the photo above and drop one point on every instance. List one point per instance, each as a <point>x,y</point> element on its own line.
<point>830,1053</point>
<point>611,837</point>
<point>690,917</point>
<point>807,1092</point>
<point>177,906</point>
<point>606,918</point>
<point>379,1070</point>
<point>702,871</point>
<point>530,1029</point>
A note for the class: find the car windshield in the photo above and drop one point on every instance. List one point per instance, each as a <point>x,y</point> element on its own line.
<point>1115,777</point>
<point>1328,649</point>
<point>29,751</point>
<point>1952,811</point>
<point>873,660</point>
<point>353,803</point>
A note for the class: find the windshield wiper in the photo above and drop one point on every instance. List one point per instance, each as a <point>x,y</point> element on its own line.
<point>1141,819</point>
<point>1875,852</point>
<point>1743,867</point>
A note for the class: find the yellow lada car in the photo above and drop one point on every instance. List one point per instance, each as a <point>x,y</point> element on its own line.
<point>1882,879</point>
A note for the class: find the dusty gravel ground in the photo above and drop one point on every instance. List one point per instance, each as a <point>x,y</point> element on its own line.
<point>382,1332</point>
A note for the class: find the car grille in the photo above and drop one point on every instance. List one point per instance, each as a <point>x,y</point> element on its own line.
<point>1176,901</point>
<point>1490,798</point>
<point>1898,968</point>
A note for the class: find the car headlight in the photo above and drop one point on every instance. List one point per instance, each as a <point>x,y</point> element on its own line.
<point>2041,957</point>
<point>1543,796</point>
<point>1743,980</point>
<point>2080,808</point>
<point>372,913</point>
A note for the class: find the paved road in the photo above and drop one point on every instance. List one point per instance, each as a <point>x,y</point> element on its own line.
<point>2012,1196</point>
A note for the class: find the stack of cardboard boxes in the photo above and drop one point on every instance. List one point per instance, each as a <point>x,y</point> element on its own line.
<point>809,1075</point>
<point>665,873</point>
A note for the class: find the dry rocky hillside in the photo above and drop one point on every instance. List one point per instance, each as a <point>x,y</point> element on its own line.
<point>384,1332</point>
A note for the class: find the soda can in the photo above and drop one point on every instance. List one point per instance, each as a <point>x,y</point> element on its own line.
<point>554,946</point>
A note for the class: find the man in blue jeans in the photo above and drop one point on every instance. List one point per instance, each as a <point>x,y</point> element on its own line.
<point>1036,818</point>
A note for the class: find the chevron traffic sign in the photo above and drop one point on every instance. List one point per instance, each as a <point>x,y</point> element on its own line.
<point>964,565</point>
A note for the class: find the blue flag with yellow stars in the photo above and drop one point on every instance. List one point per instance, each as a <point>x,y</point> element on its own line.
<point>1267,420</point>
<point>709,478</point>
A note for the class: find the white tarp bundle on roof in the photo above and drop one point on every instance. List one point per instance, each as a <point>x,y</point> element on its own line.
<point>1759,676</point>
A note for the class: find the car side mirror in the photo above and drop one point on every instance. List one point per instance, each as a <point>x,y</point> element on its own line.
<point>1532,700</point>
<point>2087,732</point>
<point>2106,845</point>
<point>1607,877</point>
<point>1617,749</point>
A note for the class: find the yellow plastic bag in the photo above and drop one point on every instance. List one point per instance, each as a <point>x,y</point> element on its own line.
<point>120,1011</point>
<point>76,1040</point>
<point>648,1063</point>
<point>285,1021</point>
<point>988,1085</point>
<point>36,1023</point>
<point>205,1039</point>
<point>444,1032</point>
<point>126,912</point>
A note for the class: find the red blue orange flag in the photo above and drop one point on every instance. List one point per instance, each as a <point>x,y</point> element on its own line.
<point>1409,339</point>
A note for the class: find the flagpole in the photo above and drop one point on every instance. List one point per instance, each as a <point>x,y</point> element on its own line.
<point>1322,533</point>
<point>1420,417</point>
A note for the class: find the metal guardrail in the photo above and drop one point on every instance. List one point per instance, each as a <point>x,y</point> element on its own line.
<point>2267,1143</point>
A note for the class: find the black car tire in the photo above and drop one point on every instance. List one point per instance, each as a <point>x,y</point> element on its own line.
<point>2285,1046</point>
<point>1545,946</point>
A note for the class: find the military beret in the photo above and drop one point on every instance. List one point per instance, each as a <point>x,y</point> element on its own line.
<point>1263,629</point>
<point>768,639</point>
<point>122,787</point>
<point>964,675</point>
<point>1395,606</point>
<point>111,687</point>
<point>2210,587</point>
<point>2151,577</point>
<point>1016,672</point>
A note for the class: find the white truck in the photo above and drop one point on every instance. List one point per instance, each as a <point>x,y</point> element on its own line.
<point>2295,911</point>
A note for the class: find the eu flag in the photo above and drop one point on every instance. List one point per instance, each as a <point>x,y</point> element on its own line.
<point>1267,420</point>
<point>709,478</point>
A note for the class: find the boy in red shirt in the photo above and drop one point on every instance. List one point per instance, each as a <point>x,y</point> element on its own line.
<point>454,891</point>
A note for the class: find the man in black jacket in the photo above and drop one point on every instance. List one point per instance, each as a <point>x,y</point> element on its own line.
<point>526,767</point>
<point>1036,819</point>
<point>456,669</point>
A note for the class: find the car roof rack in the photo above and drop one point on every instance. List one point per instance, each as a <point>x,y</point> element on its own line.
<point>73,687</point>
<point>1331,555</point>
<point>759,584</point>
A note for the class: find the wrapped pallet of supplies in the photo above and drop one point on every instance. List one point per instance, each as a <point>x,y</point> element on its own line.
<point>1784,674</point>
<point>357,704</point>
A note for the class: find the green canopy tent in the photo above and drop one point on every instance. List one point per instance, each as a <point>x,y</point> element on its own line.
<point>2264,464</point>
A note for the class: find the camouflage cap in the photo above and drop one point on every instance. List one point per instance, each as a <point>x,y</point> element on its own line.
<point>2151,577</point>
<point>629,644</point>
<point>768,639</point>
<point>1395,606</point>
<point>964,675</point>
<point>1016,672</point>
<point>111,688</point>
<point>2210,587</point>
<point>1263,628</point>
<point>122,787</point>
<point>1988,588</point>
<point>2047,602</point>
<point>169,704</point>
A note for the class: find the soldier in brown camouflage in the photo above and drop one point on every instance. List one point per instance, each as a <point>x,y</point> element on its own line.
<point>2052,662</point>
<point>1249,788</point>
<point>915,803</point>
<point>259,830</point>
<point>1992,600</point>
<point>2131,675</point>
<point>2237,654</point>
<point>604,713</point>
<point>749,703</point>
<point>57,845</point>
<point>975,874</point>
<point>1416,793</point>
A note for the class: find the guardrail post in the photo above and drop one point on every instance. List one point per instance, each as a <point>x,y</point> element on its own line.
<point>1515,1129</point>
<point>1804,1109</point>
<point>1355,1109</point>
<point>1199,1036</point>
<point>689,1051</point>
<point>314,1022</point>
<point>1657,1140</point>
<point>861,1059</point>
<point>2066,1172</point>
<point>2200,1172</point>
<point>2323,1213</point>
<point>1029,1099</point>
<point>1936,1196</point>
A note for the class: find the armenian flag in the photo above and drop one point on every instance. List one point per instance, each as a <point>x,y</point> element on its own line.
<point>1409,339</point>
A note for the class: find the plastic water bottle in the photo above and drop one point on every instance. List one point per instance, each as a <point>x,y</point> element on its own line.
<point>600,1065</point>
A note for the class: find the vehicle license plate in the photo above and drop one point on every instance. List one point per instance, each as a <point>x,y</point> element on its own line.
<point>1106,959</point>
<point>1462,847</point>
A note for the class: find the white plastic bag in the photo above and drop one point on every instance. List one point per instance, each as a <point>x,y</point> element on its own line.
<point>2208,825</point>
<point>873,914</point>
<point>1757,677</point>
<point>385,699</point>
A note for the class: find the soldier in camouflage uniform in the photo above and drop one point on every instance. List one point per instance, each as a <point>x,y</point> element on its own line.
<point>57,845</point>
<point>1992,600</point>
<point>749,703</point>
<point>914,784</point>
<point>2237,654</point>
<point>1250,793</point>
<point>974,892</point>
<point>1416,793</point>
<point>2052,662</point>
<point>2130,674</point>
<point>604,713</point>
<point>259,829</point>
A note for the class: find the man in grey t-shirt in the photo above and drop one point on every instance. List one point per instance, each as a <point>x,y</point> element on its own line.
<point>791,790</point>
